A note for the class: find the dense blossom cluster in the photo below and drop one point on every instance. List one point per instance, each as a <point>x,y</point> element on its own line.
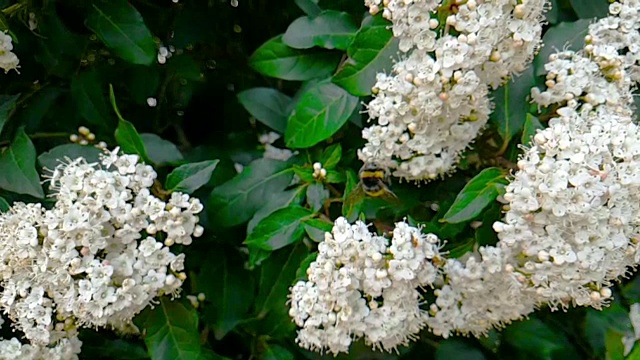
<point>8,60</point>
<point>99,256</point>
<point>435,101</point>
<point>65,349</point>
<point>364,286</point>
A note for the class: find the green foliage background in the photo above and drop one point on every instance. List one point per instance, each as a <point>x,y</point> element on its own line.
<point>296,67</point>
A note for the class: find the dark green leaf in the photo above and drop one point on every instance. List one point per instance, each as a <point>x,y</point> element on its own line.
<point>335,177</point>
<point>276,275</point>
<point>277,60</point>
<point>277,352</point>
<point>121,28</point>
<point>301,274</point>
<point>37,107</point>
<point>320,113</point>
<point>531,127</point>
<point>161,151</point>
<point>511,98</point>
<point>590,9</point>
<point>52,158</point>
<point>537,340</point>
<point>172,331</point>
<point>237,200</point>
<point>310,7</point>
<point>142,83</point>
<point>91,102</point>
<point>130,141</point>
<point>267,105</point>
<point>563,36</point>
<point>371,52</point>
<point>316,228</point>
<point>61,50</point>
<point>18,167</point>
<point>97,346</point>
<point>230,289</point>
<point>279,229</point>
<point>190,177</point>
<point>598,323</point>
<point>316,195</point>
<point>330,29</point>
<point>4,205</point>
<point>331,156</point>
<point>454,349</point>
<point>278,201</point>
<point>479,192</point>
<point>7,105</point>
<point>305,173</point>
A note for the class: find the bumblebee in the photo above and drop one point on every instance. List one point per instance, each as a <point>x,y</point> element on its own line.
<point>373,183</point>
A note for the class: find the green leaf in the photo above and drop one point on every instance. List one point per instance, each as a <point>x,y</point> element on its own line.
<point>319,114</point>
<point>237,200</point>
<point>598,324</point>
<point>278,201</point>
<point>531,127</point>
<point>188,178</point>
<point>371,52</point>
<point>614,344</point>
<point>37,107</point>
<point>635,353</point>
<point>7,105</point>
<point>310,7</point>
<point>511,98</point>
<point>172,331</point>
<point>126,134</point>
<point>301,273</point>
<point>479,192</point>
<point>52,158</point>
<point>454,349</point>
<point>18,167</point>
<point>590,9</point>
<point>121,28</point>
<point>331,156</point>
<point>276,275</point>
<point>316,195</point>
<point>279,229</point>
<point>61,50</point>
<point>276,59</point>
<point>229,287</point>
<point>316,228</point>
<point>330,29</point>
<point>97,346</point>
<point>89,99</point>
<point>161,151</point>
<point>350,210</point>
<point>563,36</point>
<point>267,105</point>
<point>537,340</point>
<point>4,205</point>
<point>277,352</point>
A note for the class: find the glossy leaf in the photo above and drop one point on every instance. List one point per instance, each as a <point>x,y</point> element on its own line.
<point>237,200</point>
<point>320,113</point>
<point>310,7</point>
<point>121,28</point>
<point>454,349</point>
<point>563,36</point>
<point>277,274</point>
<point>371,52</point>
<point>278,201</point>
<point>18,167</point>
<point>229,288</point>
<point>598,324</point>
<point>316,195</point>
<point>531,127</point>
<point>161,152</point>
<point>52,158</point>
<point>126,134</point>
<point>533,338</point>
<point>276,59</point>
<point>479,192</point>
<point>330,29</point>
<point>331,156</point>
<point>188,178</point>
<point>172,331</point>
<point>89,98</point>
<point>512,99</point>
<point>4,205</point>
<point>267,105</point>
<point>316,228</point>
<point>279,229</point>
<point>590,9</point>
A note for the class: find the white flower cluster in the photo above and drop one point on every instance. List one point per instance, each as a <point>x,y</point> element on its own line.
<point>435,102</point>
<point>8,60</point>
<point>99,256</point>
<point>66,349</point>
<point>362,286</point>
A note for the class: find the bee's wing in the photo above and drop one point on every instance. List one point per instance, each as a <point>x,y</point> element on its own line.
<point>389,196</point>
<point>353,202</point>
